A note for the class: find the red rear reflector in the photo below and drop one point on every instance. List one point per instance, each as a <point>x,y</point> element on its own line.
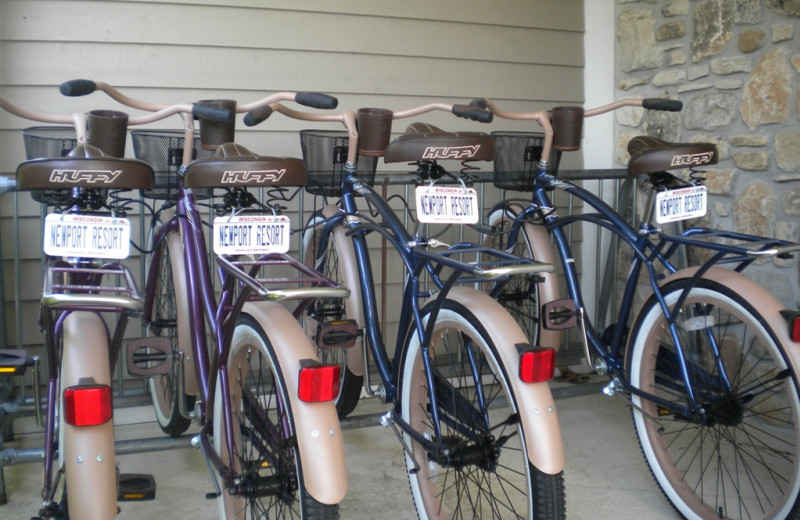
<point>793,319</point>
<point>794,328</point>
<point>317,382</point>
<point>87,405</point>
<point>537,365</point>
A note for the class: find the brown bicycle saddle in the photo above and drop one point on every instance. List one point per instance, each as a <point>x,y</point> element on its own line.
<point>423,141</point>
<point>234,165</point>
<point>651,155</point>
<point>84,167</point>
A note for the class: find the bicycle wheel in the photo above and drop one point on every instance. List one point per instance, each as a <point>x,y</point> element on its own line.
<point>523,296</point>
<point>170,319</point>
<point>485,472</point>
<point>738,458</point>
<point>266,456</point>
<point>331,309</point>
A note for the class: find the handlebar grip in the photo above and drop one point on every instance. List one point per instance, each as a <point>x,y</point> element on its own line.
<point>257,116</point>
<point>316,100</point>
<point>667,105</point>
<point>480,103</point>
<point>223,115</point>
<point>475,114</point>
<point>77,87</point>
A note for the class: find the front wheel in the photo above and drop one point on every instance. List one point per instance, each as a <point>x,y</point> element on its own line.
<point>266,457</point>
<point>170,319</point>
<point>324,310</point>
<point>736,456</point>
<point>482,469</point>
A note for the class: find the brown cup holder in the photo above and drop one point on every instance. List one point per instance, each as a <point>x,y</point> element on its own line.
<point>108,130</point>
<point>215,133</point>
<point>374,130</point>
<point>567,128</point>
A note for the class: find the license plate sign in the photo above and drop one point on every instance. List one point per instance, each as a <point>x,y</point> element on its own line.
<point>681,204</point>
<point>447,205</point>
<point>86,236</point>
<point>251,235</point>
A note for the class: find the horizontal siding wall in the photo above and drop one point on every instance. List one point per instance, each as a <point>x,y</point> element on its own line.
<point>526,55</point>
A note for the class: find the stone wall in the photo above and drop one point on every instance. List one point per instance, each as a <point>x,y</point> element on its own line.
<point>736,66</point>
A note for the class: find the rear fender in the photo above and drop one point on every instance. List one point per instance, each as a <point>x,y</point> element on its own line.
<point>319,434</point>
<point>88,451</point>
<point>762,300</point>
<point>536,406</point>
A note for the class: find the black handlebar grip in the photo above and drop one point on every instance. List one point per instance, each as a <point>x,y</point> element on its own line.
<point>258,115</point>
<point>223,115</point>
<point>479,102</point>
<point>77,87</point>
<point>667,105</point>
<point>316,100</point>
<point>475,114</point>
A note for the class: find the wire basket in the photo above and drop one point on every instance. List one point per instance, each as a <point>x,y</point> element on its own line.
<point>518,154</point>
<point>163,151</point>
<point>325,153</point>
<point>49,142</point>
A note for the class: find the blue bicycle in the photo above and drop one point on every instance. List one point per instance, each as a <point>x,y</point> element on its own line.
<point>709,359</point>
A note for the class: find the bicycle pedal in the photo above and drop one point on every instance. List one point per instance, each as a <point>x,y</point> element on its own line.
<point>337,334</point>
<point>149,357</point>
<point>560,315</point>
<point>136,487</point>
<point>13,362</point>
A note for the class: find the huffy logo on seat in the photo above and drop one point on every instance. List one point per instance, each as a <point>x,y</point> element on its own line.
<point>85,176</point>
<point>258,176</point>
<point>450,152</point>
<point>692,159</point>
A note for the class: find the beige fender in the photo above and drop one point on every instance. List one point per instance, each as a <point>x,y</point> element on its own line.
<point>542,248</point>
<point>319,434</point>
<point>349,272</point>
<point>536,406</point>
<point>175,244</point>
<point>762,300</point>
<point>88,451</point>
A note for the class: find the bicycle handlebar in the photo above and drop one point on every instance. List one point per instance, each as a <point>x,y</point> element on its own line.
<point>543,117</point>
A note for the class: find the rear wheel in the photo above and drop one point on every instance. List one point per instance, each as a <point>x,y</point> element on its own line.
<point>331,309</point>
<point>483,470</point>
<point>737,456</point>
<point>169,319</point>
<point>266,458</point>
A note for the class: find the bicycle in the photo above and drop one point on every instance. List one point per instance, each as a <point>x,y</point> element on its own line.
<point>471,404</point>
<point>84,282</point>
<point>709,361</point>
<point>257,394</point>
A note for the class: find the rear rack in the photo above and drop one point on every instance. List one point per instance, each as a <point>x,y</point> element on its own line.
<point>490,264</point>
<point>740,246</point>
<point>313,284</point>
<point>63,289</point>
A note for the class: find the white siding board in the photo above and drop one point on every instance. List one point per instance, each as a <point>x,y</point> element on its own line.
<point>240,28</point>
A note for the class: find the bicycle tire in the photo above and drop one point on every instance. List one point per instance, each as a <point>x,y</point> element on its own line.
<point>500,482</point>
<point>350,384</point>
<point>522,296</point>
<point>170,317</point>
<point>86,453</point>
<point>741,460</point>
<point>266,452</point>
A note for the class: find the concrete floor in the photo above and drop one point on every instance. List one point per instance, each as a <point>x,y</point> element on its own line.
<point>606,476</point>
